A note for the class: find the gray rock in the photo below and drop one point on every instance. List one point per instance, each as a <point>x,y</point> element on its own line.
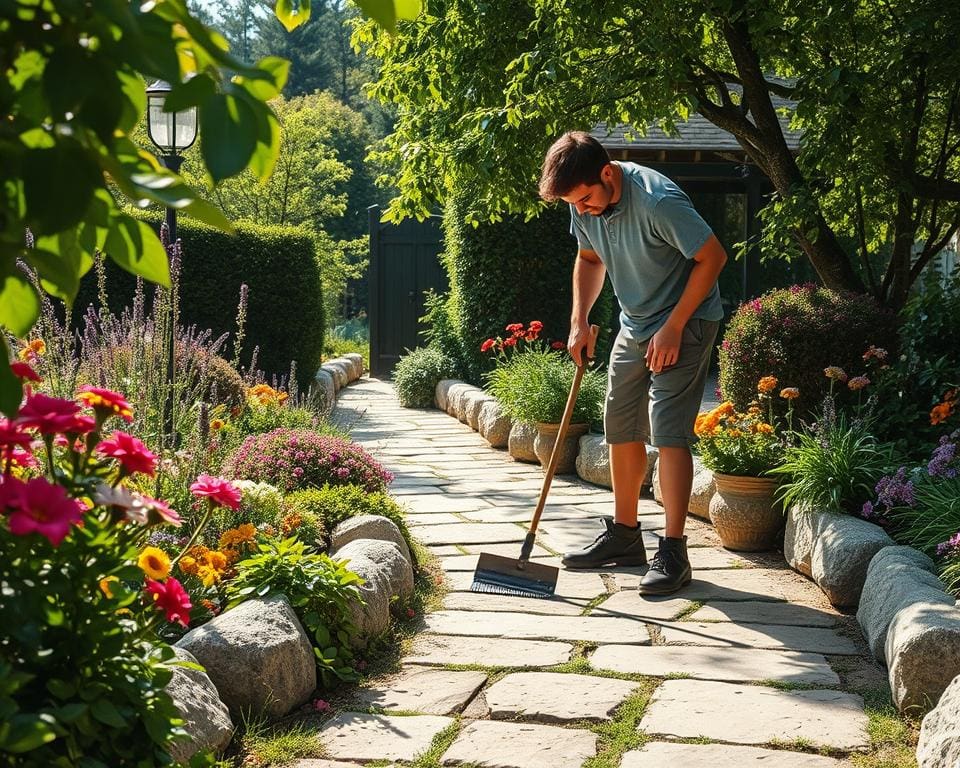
<point>939,745</point>
<point>842,551</point>
<point>593,460</point>
<point>388,556</point>
<point>258,657</point>
<point>369,527</point>
<point>520,442</point>
<point>923,654</point>
<point>338,372</point>
<point>472,403</point>
<point>455,395</point>
<point>357,360</point>
<point>463,400</point>
<point>440,393</point>
<point>327,385</point>
<point>206,719</point>
<point>896,577</point>
<point>493,424</point>
<point>799,536</point>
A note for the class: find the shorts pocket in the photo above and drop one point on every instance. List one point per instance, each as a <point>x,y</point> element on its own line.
<point>693,331</point>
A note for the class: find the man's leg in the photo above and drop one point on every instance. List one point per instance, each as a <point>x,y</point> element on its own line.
<point>628,468</point>
<point>676,480</point>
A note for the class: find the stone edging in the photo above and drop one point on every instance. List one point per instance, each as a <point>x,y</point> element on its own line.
<point>334,375</point>
<point>257,657</point>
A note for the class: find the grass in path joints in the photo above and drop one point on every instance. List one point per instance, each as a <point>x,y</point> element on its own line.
<point>893,739</point>
<point>621,735</point>
<point>440,744</point>
<point>694,606</point>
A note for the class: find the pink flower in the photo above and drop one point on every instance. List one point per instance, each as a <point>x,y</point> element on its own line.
<point>80,425</point>
<point>858,382</point>
<point>24,372</point>
<point>321,706</point>
<point>558,345</point>
<point>106,402</point>
<point>48,415</point>
<point>411,613</point>
<point>132,454</point>
<point>157,511</point>
<point>218,490</point>
<point>22,458</point>
<point>170,597</point>
<point>38,506</point>
<point>11,435</point>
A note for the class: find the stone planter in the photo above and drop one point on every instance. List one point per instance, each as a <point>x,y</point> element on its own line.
<point>546,438</point>
<point>745,513</point>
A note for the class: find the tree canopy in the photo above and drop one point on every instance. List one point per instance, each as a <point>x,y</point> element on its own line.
<point>482,87</point>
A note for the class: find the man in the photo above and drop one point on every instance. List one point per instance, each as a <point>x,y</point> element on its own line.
<point>663,260</point>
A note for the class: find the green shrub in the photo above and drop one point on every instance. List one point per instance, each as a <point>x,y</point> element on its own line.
<point>261,504</point>
<point>794,334</point>
<point>279,265</point>
<point>319,589</point>
<point>333,504</point>
<point>510,270</point>
<point>417,373</point>
<point>292,459</point>
<point>533,386</point>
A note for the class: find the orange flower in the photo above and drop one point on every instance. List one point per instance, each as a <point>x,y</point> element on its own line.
<point>767,384</point>
<point>33,350</point>
<point>943,411</point>
<point>763,428</point>
<point>789,393</point>
<point>216,425</point>
<point>188,565</point>
<point>834,372</point>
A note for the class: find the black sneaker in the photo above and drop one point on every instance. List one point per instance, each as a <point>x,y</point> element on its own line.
<point>616,545</point>
<point>669,570</point>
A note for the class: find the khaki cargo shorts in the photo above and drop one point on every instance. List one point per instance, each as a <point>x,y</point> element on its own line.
<point>659,409</point>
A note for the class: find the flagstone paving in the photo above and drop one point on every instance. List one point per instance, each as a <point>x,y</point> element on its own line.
<point>744,625</point>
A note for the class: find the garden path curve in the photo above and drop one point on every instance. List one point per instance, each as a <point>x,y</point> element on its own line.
<point>748,665</point>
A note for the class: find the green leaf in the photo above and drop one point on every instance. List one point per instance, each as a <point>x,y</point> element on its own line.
<point>386,12</point>
<point>290,16</point>
<point>228,135</point>
<point>24,733</point>
<point>105,711</point>
<point>192,93</point>
<point>19,303</point>
<point>134,100</point>
<point>60,262</point>
<point>61,688</point>
<point>265,88</point>
<point>136,248</point>
<point>11,388</point>
<point>58,184</point>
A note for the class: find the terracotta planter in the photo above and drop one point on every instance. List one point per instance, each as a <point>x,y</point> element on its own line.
<point>745,513</point>
<point>547,436</point>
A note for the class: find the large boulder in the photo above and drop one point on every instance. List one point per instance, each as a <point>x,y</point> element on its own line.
<point>326,383</point>
<point>939,745</point>
<point>344,369</point>
<point>493,424</point>
<point>206,718</point>
<point>520,442</point>
<point>472,403</point>
<point>385,573</point>
<point>440,393</point>
<point>896,577</point>
<point>369,527</point>
<point>258,657</point>
<point>356,359</point>
<point>462,400</point>
<point>923,654</point>
<point>842,550</point>
<point>798,538</point>
<point>455,396</point>
<point>593,460</point>
<point>338,372</point>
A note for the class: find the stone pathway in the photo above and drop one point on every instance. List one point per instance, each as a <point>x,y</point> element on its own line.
<point>749,664</point>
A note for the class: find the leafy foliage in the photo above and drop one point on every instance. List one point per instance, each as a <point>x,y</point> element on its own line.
<point>417,374</point>
<point>738,443</point>
<point>320,590</point>
<point>794,334</point>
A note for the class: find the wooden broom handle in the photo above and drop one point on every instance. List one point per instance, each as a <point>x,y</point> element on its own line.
<point>564,424</point>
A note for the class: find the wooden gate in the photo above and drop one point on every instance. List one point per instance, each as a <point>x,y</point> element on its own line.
<point>404,264</point>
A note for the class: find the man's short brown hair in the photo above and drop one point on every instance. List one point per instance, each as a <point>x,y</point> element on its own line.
<point>575,158</point>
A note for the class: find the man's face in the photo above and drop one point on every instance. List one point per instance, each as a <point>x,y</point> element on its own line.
<point>592,198</point>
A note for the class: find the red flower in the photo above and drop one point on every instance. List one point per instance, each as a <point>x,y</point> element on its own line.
<point>514,327</point>
<point>105,402</point>
<point>487,345</point>
<point>12,435</point>
<point>536,326</point>
<point>48,415</point>
<point>218,490</point>
<point>80,425</point>
<point>24,372</point>
<point>510,341</point>
<point>531,336</point>
<point>558,345</point>
<point>171,598</point>
<point>132,454</point>
<point>38,506</point>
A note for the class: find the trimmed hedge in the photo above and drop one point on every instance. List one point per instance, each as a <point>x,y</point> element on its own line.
<point>512,271</point>
<point>281,267</point>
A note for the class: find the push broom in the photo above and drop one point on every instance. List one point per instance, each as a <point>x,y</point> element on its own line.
<point>506,576</point>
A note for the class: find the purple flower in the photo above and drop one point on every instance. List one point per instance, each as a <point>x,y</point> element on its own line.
<point>895,490</point>
<point>950,547</point>
<point>867,512</point>
<point>941,458</point>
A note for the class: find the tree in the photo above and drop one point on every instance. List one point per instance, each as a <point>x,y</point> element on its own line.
<point>482,88</point>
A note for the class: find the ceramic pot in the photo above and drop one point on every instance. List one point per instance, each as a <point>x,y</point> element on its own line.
<point>547,436</point>
<point>745,514</point>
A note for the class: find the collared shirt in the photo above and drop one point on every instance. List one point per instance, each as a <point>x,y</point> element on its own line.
<point>647,242</point>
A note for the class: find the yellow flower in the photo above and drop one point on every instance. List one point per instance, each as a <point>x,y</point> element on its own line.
<point>188,565</point>
<point>247,531</point>
<point>155,563</point>
<point>834,372</point>
<point>789,393</point>
<point>217,560</point>
<point>767,384</point>
<point>216,425</point>
<point>734,433</point>
<point>34,349</point>
<point>209,576</point>
<point>764,428</point>
<point>105,585</point>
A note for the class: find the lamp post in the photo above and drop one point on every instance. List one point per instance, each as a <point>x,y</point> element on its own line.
<point>172,133</point>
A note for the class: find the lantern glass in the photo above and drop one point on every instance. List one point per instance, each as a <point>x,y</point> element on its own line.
<point>172,132</point>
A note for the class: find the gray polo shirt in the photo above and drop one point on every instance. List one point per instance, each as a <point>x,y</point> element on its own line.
<point>647,242</point>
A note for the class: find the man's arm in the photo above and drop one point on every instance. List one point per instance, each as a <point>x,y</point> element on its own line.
<point>588,274</point>
<point>664,348</point>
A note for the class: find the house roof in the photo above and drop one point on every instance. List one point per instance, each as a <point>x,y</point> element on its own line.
<point>695,133</point>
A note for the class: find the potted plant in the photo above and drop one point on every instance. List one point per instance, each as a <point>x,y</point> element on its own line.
<point>741,448</point>
<point>531,381</point>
